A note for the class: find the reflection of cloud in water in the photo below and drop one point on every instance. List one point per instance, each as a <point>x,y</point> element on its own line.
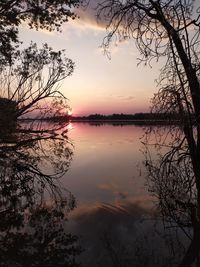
<point>115,189</point>
<point>125,226</point>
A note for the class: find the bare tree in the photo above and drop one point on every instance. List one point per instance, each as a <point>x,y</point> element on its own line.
<point>31,75</point>
<point>33,78</point>
<point>169,29</point>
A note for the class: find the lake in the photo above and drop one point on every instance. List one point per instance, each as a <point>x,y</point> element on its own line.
<point>114,207</point>
<point>107,165</point>
<point>82,187</point>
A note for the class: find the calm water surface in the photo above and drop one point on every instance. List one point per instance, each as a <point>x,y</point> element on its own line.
<point>107,165</point>
<point>107,178</point>
<point>115,221</point>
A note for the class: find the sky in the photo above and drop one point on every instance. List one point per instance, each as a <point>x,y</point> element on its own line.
<point>99,84</point>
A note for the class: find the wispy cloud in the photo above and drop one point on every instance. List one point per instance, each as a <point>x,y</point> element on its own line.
<point>122,97</point>
<point>88,16</point>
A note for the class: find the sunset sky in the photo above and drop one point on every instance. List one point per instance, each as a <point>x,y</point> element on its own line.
<point>99,84</point>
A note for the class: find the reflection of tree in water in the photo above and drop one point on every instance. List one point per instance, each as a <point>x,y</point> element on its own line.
<point>169,30</point>
<point>167,236</point>
<point>172,180</point>
<point>37,240</point>
<point>32,204</point>
<point>124,234</point>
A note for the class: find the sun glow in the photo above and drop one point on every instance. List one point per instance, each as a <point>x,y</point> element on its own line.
<point>70,112</point>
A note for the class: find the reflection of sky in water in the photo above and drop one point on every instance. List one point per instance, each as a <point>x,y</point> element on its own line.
<point>115,216</point>
<point>106,178</point>
<point>107,163</point>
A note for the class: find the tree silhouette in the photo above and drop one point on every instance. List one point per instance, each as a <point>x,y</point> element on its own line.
<point>170,30</point>
<point>31,75</point>
<point>31,81</point>
<point>34,155</point>
<point>49,15</point>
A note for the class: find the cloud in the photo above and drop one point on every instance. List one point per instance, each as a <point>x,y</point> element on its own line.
<point>127,98</point>
<point>122,97</point>
<point>88,16</point>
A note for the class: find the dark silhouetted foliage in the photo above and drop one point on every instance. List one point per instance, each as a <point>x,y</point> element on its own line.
<point>48,15</point>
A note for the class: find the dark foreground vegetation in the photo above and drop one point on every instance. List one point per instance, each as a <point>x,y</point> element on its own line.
<point>167,31</point>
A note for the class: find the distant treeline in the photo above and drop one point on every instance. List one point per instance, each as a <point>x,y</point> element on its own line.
<point>128,117</point>
<point>137,117</point>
